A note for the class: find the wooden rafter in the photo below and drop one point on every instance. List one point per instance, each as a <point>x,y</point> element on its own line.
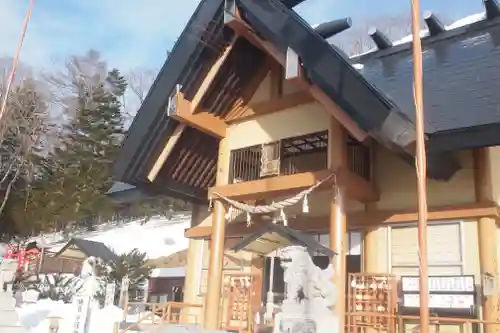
<point>204,121</point>
<point>246,95</point>
<point>210,77</point>
<point>176,135</point>
<point>356,187</point>
<point>245,31</point>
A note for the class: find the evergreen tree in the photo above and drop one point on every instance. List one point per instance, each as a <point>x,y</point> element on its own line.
<point>79,172</point>
<point>133,265</point>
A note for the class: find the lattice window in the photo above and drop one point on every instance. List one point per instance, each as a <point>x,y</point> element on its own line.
<point>444,248</point>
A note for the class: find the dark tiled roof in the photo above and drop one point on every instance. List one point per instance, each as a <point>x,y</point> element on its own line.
<point>91,249</point>
<point>461,79</point>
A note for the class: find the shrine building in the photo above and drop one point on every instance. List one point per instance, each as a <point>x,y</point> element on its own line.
<point>254,106</point>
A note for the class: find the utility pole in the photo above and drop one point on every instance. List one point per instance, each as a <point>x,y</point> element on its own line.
<point>15,61</point>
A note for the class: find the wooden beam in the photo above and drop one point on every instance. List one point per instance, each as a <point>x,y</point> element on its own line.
<point>276,84</point>
<point>274,105</point>
<point>204,121</point>
<point>356,187</point>
<point>176,135</point>
<point>361,219</point>
<point>210,77</point>
<point>245,31</point>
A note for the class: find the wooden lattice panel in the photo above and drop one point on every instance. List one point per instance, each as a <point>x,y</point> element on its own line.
<point>239,289</point>
<point>270,159</point>
<point>372,301</point>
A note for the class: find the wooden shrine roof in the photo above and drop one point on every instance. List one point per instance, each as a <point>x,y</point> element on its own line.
<point>460,105</point>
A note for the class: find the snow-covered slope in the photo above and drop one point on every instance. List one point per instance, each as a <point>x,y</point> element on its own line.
<point>158,237</point>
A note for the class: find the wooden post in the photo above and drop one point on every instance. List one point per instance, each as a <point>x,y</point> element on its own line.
<point>421,167</point>
<point>338,231</point>
<point>215,264</point>
<point>370,243</point>
<point>337,156</point>
<point>487,235</point>
<point>199,214</point>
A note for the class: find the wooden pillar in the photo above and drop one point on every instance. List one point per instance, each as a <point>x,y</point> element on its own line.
<point>370,252</point>
<point>337,156</point>
<point>215,264</point>
<point>338,232</point>
<point>487,234</point>
<point>199,215</point>
<point>370,245</point>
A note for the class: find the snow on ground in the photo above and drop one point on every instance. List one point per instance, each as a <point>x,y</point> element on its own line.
<point>35,317</point>
<point>158,237</point>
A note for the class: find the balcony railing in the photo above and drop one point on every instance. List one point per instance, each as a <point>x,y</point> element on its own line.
<point>293,155</point>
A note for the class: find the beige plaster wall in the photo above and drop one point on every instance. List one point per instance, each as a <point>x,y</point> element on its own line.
<point>397,182</point>
<point>299,120</point>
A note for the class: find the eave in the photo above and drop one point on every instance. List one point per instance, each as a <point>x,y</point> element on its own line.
<point>150,128</point>
<point>358,220</point>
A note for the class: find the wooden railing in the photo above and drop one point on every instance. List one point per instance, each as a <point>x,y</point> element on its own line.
<point>165,313</point>
<point>410,324</point>
<point>294,155</point>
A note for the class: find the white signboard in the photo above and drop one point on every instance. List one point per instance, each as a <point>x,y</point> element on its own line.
<point>455,284</point>
<point>441,301</point>
<point>124,291</point>
<point>110,294</point>
<point>82,304</point>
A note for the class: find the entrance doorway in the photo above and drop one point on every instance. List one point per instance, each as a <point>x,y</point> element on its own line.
<point>353,265</point>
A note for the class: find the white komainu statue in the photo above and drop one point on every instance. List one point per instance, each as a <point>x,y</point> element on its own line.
<point>310,294</point>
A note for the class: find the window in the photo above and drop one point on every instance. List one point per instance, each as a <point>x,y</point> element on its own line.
<point>444,249</point>
<point>353,242</point>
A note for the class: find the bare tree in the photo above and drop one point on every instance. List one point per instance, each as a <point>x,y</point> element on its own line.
<point>140,80</point>
<point>23,129</point>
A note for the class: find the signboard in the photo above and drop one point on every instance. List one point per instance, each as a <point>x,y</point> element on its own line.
<point>440,301</point>
<point>455,293</point>
<point>124,292</point>
<point>110,294</point>
<point>82,304</point>
<point>464,283</point>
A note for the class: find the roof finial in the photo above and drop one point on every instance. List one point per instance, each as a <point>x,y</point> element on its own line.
<point>433,24</point>
<point>380,39</point>
<point>492,9</point>
<point>331,28</point>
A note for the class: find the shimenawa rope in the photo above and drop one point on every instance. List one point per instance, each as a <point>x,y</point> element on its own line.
<point>275,206</point>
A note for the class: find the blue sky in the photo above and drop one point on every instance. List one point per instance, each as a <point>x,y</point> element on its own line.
<point>135,33</point>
